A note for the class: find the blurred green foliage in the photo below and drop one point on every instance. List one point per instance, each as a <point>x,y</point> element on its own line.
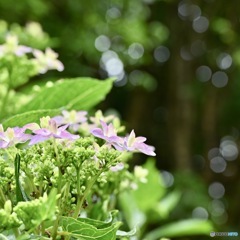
<point>150,209</point>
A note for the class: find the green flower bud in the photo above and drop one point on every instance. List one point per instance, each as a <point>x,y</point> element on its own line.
<point>8,206</point>
<point>8,220</point>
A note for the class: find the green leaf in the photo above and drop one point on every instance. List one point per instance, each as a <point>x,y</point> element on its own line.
<point>20,193</point>
<point>100,224</point>
<point>3,237</point>
<point>88,229</point>
<point>79,94</point>
<point>47,210</point>
<point>27,236</point>
<point>29,117</point>
<point>33,213</point>
<point>166,205</point>
<point>146,195</point>
<point>134,217</point>
<point>184,228</point>
<point>126,234</point>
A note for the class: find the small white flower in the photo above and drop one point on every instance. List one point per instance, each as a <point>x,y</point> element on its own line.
<point>47,61</point>
<point>11,46</point>
<point>117,167</point>
<point>141,173</point>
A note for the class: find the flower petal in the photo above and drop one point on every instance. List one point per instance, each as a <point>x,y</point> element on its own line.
<point>32,126</point>
<point>146,149</point>
<point>37,139</point>
<point>43,132</point>
<point>97,132</point>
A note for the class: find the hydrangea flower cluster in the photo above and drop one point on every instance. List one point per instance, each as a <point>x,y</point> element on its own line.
<point>48,128</point>
<point>57,126</point>
<point>65,163</point>
<point>19,63</point>
<point>42,61</point>
<point>12,136</point>
<point>129,143</point>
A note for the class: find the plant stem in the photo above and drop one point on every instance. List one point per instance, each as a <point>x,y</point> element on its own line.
<point>3,198</point>
<point>59,188</point>
<point>30,181</point>
<point>55,227</point>
<point>86,192</point>
<point>58,164</point>
<point>42,227</point>
<point>16,232</point>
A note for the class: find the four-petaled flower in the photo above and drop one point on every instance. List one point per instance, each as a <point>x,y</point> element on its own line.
<point>12,136</point>
<point>132,143</point>
<point>48,129</point>
<point>72,118</point>
<point>107,132</point>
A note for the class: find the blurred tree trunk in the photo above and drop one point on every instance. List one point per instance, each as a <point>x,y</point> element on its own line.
<point>181,112</point>
<point>137,109</point>
<point>209,125</point>
<point>181,77</point>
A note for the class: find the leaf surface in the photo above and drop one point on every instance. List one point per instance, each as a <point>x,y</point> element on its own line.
<point>90,229</point>
<point>184,228</point>
<point>28,117</point>
<point>78,94</point>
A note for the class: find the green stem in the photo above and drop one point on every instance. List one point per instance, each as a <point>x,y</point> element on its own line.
<point>16,232</point>
<point>84,196</point>
<point>78,182</point>
<point>65,191</point>
<point>42,228</point>
<point>59,165</point>
<point>3,198</point>
<point>59,188</point>
<point>55,149</point>
<point>65,195</point>
<point>55,226</point>
<point>30,181</point>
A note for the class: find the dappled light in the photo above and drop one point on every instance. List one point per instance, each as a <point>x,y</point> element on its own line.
<point>187,10</point>
<point>168,178</point>
<point>161,54</point>
<point>204,73</point>
<point>200,212</point>
<point>136,50</point>
<point>219,79</point>
<point>102,43</point>
<point>224,61</point>
<point>218,164</point>
<point>216,190</point>
<point>200,24</point>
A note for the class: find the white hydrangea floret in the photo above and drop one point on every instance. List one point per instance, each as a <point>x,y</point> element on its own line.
<point>141,173</point>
